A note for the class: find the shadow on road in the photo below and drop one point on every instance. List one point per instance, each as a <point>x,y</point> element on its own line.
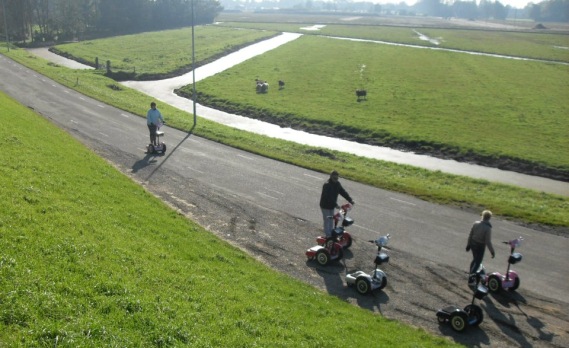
<point>471,337</point>
<point>147,160</point>
<point>505,319</point>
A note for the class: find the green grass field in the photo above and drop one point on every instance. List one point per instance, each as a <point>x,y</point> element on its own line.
<point>456,102</point>
<point>162,53</point>
<point>83,264</point>
<point>536,45</point>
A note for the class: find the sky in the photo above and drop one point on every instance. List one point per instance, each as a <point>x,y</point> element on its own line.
<point>513,3</point>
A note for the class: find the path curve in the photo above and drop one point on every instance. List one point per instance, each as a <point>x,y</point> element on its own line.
<point>163,90</point>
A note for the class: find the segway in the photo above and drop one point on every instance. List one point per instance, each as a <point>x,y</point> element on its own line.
<point>366,283</point>
<point>331,250</point>
<point>161,147</point>
<point>341,221</point>
<point>509,281</point>
<point>471,315</point>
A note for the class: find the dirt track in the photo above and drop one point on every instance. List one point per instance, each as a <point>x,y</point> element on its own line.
<point>416,287</point>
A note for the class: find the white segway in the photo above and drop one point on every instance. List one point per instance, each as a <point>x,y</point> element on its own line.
<point>366,283</point>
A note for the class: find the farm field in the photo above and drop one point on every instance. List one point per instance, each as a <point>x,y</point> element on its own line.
<point>535,45</point>
<point>455,104</point>
<point>386,20</point>
<point>156,55</point>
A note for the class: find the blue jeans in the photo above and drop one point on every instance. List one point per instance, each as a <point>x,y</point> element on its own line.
<point>328,216</point>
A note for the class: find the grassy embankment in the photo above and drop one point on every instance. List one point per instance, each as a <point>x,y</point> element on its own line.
<point>526,205</point>
<point>84,264</point>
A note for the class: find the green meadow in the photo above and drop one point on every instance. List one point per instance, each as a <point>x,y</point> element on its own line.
<point>162,53</point>
<point>508,201</point>
<point>430,100</point>
<point>83,264</point>
<point>535,45</point>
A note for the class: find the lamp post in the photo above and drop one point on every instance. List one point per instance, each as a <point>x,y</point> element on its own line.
<point>6,25</point>
<point>193,64</point>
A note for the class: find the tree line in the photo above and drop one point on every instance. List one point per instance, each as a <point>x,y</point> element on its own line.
<point>60,20</point>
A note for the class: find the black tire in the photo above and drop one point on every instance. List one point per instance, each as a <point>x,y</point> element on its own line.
<point>441,319</point>
<point>383,283</point>
<point>363,285</point>
<point>475,314</point>
<point>150,149</point>
<point>494,283</point>
<point>458,321</point>
<point>163,148</point>
<point>322,257</point>
<point>340,254</point>
<point>348,241</point>
<point>516,285</point>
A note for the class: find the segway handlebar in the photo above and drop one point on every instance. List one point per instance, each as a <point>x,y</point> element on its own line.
<point>514,243</point>
<point>381,241</point>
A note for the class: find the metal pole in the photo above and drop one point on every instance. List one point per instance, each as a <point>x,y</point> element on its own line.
<point>6,25</point>
<point>193,64</point>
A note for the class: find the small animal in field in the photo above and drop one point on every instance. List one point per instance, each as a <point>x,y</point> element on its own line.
<point>261,86</point>
<point>361,94</point>
<point>281,84</point>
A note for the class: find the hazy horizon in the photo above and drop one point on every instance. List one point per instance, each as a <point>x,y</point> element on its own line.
<point>513,3</point>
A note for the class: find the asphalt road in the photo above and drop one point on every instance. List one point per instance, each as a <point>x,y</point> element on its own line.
<point>421,232</point>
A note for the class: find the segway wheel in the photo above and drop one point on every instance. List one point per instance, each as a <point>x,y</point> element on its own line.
<point>516,285</point>
<point>150,148</point>
<point>494,283</point>
<point>346,241</point>
<point>475,314</point>
<point>322,257</point>
<point>458,321</point>
<point>339,255</point>
<point>163,148</point>
<point>383,283</point>
<point>363,285</point>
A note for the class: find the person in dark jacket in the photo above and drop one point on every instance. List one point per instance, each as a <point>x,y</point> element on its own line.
<point>328,200</point>
<point>479,239</point>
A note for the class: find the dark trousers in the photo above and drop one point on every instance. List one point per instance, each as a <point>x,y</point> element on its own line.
<point>152,129</point>
<point>477,256</point>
